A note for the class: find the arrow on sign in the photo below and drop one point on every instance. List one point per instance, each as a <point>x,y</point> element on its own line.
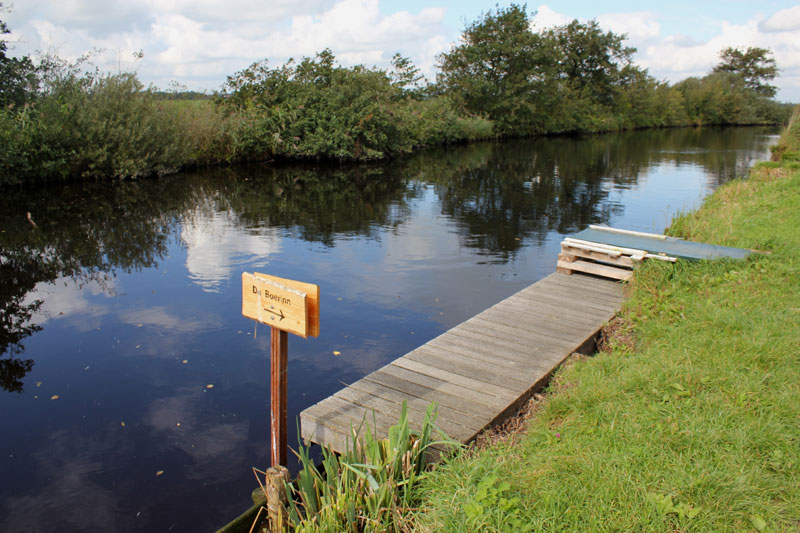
<point>276,314</point>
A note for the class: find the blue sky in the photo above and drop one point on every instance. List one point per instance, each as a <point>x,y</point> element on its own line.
<point>198,42</point>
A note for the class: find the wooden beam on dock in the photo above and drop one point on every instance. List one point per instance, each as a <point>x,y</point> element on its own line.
<point>480,371</point>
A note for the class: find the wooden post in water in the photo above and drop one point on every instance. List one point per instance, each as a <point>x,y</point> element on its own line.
<point>277,500</point>
<point>279,350</point>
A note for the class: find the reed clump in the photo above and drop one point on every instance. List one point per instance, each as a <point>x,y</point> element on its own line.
<point>370,487</point>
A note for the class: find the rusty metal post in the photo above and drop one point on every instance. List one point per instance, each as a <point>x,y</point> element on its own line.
<point>278,382</point>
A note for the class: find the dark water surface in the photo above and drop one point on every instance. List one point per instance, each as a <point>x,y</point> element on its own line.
<point>122,308</point>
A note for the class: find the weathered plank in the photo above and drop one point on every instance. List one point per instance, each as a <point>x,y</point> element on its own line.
<point>441,380</point>
<point>594,268</point>
<point>577,250</point>
<point>460,415</point>
<point>401,388</point>
<point>575,300</point>
<point>392,409</point>
<point>572,297</point>
<point>482,372</point>
<point>567,309</point>
<point>530,358</point>
<point>479,371</point>
<point>496,394</point>
<point>469,338</point>
<point>558,318</point>
<point>509,366</point>
<point>525,331</point>
<point>589,286</point>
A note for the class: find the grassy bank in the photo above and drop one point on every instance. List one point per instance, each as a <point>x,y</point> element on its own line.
<point>690,418</point>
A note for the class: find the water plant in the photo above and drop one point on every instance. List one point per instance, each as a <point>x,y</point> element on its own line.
<point>370,487</point>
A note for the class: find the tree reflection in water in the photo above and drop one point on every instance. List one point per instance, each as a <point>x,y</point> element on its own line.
<point>500,196</point>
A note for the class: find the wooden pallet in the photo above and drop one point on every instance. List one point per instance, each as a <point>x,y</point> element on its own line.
<point>601,259</point>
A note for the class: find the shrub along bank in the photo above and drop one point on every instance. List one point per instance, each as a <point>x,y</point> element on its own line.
<point>695,425</point>
<point>502,79</point>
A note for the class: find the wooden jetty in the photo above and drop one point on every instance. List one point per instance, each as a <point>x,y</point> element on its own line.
<point>480,371</point>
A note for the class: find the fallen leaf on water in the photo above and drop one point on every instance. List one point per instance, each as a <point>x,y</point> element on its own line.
<point>337,353</point>
<point>54,397</point>
<point>160,472</point>
<point>210,386</point>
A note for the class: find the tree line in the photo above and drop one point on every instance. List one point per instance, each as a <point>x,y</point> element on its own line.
<point>502,79</point>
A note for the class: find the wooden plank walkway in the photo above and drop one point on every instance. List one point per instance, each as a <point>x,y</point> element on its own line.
<point>480,371</point>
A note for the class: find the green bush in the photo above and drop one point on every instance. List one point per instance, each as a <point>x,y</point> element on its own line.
<point>91,126</point>
<point>319,109</point>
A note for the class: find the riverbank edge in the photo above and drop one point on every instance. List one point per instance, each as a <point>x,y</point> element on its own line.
<point>688,418</point>
<point>285,160</point>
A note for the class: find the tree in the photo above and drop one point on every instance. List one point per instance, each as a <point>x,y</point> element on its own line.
<point>500,69</point>
<point>591,61</point>
<point>406,76</point>
<point>18,77</point>
<point>754,65</point>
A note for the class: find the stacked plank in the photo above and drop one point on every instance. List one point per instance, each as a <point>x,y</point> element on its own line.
<point>602,259</point>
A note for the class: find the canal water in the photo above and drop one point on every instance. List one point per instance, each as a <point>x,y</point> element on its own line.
<point>134,395</point>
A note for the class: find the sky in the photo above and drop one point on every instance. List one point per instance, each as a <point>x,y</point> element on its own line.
<point>197,43</point>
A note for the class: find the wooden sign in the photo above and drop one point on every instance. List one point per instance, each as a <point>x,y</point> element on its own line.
<point>284,304</point>
<point>312,299</point>
<point>287,306</point>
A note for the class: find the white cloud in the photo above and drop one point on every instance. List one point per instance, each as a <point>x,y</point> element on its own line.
<point>783,20</point>
<point>202,437</point>
<point>66,298</point>
<point>161,317</point>
<point>676,60</point>
<point>638,27</point>
<point>200,42</point>
<point>546,17</point>
<point>216,244</point>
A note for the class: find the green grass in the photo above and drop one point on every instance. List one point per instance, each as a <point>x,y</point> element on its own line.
<point>696,426</point>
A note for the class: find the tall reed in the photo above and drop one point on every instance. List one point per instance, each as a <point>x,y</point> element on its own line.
<point>371,487</point>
